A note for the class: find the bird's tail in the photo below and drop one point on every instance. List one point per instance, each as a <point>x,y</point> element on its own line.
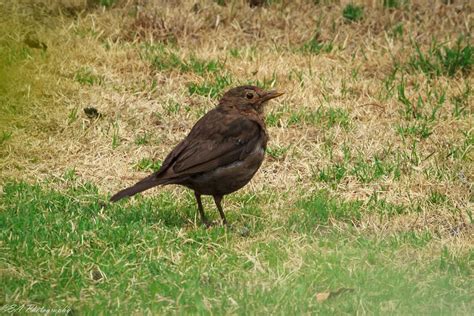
<point>140,186</point>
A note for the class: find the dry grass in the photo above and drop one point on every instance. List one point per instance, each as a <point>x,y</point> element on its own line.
<point>50,134</point>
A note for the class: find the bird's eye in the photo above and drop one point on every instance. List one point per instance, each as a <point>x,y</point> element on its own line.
<point>249,95</point>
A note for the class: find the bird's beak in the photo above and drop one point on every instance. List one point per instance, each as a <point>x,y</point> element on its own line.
<point>271,95</point>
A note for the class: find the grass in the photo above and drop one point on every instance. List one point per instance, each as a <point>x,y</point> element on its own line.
<point>394,4</point>
<point>463,150</point>
<point>163,58</point>
<point>115,135</point>
<point>444,60</point>
<point>420,115</point>
<point>72,254</point>
<point>361,169</point>
<point>5,136</point>
<point>210,88</point>
<point>315,46</point>
<point>277,152</point>
<point>397,31</point>
<point>266,83</point>
<point>326,117</point>
<point>420,130</point>
<point>363,204</point>
<point>320,209</point>
<point>146,164</point>
<point>86,76</point>
<point>142,139</point>
<point>460,102</point>
<point>104,3</point>
<point>353,12</point>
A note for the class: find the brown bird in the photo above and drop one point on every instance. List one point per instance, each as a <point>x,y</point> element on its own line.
<point>221,153</point>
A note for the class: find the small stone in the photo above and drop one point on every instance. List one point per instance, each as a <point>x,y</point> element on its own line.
<point>244,232</point>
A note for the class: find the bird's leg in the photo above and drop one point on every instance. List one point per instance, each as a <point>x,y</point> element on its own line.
<point>201,209</point>
<point>217,200</point>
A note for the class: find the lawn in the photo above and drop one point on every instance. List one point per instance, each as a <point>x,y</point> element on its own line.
<point>363,205</point>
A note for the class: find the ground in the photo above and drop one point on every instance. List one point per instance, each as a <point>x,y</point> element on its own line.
<point>364,203</point>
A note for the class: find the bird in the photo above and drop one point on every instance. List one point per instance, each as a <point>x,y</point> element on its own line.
<point>221,153</point>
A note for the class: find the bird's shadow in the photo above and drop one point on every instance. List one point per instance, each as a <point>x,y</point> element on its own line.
<point>149,211</point>
<point>172,212</point>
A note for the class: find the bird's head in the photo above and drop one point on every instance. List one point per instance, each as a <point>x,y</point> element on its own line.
<point>247,98</point>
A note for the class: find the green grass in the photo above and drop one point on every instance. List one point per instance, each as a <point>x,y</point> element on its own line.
<point>463,149</point>
<point>173,108</point>
<point>332,174</point>
<point>368,171</point>
<point>73,115</point>
<point>277,152</point>
<point>360,168</point>
<point>394,4</point>
<point>441,59</point>
<point>320,209</point>
<point>210,88</point>
<point>220,2</point>
<point>5,136</point>
<point>146,164</point>
<point>437,198</point>
<point>234,52</point>
<point>166,58</point>
<point>323,117</point>
<point>382,207</point>
<point>421,130</point>
<point>353,13</point>
<point>274,118</point>
<point>421,112</point>
<point>87,76</point>
<point>104,3</point>
<point>266,83</point>
<point>461,102</point>
<point>397,31</point>
<point>142,139</point>
<point>115,135</point>
<point>62,249</point>
<point>315,46</point>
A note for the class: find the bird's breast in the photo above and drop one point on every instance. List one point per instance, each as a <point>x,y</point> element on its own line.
<point>231,177</point>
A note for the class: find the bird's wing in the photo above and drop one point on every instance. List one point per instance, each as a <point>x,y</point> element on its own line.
<point>216,140</point>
